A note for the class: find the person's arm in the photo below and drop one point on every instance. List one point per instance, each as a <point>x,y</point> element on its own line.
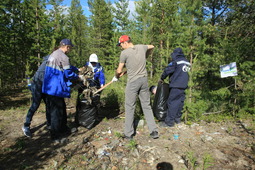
<point>168,70</point>
<point>149,50</point>
<point>86,64</point>
<point>102,77</point>
<point>119,69</point>
<point>69,70</point>
<point>74,69</point>
<point>150,47</point>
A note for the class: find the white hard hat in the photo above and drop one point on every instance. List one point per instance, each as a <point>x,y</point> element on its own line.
<point>93,58</point>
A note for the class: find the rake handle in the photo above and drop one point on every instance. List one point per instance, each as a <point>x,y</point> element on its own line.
<point>108,83</point>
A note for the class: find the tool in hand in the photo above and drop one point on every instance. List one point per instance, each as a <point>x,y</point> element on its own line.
<point>108,83</point>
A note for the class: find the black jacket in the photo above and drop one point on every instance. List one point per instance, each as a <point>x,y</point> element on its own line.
<point>39,75</point>
<point>177,70</point>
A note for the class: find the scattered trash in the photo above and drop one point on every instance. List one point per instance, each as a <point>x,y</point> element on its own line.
<point>102,152</point>
<point>141,123</point>
<point>216,133</point>
<point>176,136</point>
<point>207,138</point>
<point>85,140</point>
<point>194,124</point>
<point>181,161</point>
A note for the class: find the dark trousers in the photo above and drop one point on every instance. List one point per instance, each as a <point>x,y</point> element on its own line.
<point>37,97</point>
<point>58,116</point>
<point>175,104</point>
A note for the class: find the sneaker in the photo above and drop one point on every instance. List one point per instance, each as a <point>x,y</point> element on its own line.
<point>177,120</point>
<point>48,127</point>
<point>163,124</point>
<point>127,137</point>
<point>60,141</point>
<point>56,141</point>
<point>154,135</point>
<point>74,129</point>
<point>26,131</point>
<point>64,140</point>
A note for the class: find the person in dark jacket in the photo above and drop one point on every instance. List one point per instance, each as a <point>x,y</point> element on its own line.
<point>177,71</point>
<point>37,97</point>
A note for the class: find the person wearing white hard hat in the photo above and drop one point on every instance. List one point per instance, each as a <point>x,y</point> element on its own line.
<point>99,78</point>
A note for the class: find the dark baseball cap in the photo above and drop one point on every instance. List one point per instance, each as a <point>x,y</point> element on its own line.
<point>66,42</point>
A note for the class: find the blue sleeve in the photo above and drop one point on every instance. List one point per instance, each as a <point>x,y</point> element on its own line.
<point>86,64</point>
<point>70,74</point>
<point>74,69</point>
<point>168,70</point>
<point>102,77</point>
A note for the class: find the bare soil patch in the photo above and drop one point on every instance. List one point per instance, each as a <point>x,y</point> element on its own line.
<point>225,145</point>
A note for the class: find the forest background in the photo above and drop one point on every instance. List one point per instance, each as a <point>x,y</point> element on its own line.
<point>211,33</point>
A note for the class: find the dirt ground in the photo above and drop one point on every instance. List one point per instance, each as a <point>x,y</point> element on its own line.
<point>226,145</point>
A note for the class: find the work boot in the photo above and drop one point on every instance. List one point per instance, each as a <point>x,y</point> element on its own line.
<point>154,135</point>
<point>27,132</point>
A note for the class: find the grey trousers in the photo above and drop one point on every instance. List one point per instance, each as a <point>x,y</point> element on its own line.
<point>138,87</point>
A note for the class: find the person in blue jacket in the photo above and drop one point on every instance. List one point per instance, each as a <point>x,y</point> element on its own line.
<point>177,71</point>
<point>57,82</point>
<point>37,97</point>
<point>99,78</point>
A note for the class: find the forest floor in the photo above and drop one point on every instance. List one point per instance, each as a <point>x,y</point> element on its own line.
<point>226,145</point>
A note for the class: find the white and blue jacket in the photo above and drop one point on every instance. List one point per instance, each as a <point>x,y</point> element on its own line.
<point>58,73</point>
<point>99,78</point>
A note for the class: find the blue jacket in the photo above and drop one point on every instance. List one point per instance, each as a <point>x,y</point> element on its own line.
<point>177,70</point>
<point>99,78</point>
<point>58,73</point>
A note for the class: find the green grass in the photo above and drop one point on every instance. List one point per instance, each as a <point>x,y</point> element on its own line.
<point>207,161</point>
<point>132,145</point>
<point>20,144</point>
<point>118,134</point>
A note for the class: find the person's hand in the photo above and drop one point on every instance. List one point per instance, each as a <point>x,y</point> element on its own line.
<point>114,79</point>
<point>161,81</point>
<point>102,85</point>
<point>81,77</point>
<point>80,69</point>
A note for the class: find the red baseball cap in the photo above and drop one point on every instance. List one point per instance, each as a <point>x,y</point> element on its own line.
<point>122,39</point>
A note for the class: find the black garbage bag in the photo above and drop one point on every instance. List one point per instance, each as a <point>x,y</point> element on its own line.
<point>160,101</point>
<point>86,112</point>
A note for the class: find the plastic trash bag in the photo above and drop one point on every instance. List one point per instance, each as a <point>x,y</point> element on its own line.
<point>160,101</point>
<point>86,112</point>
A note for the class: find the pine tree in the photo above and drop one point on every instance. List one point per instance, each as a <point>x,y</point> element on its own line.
<point>57,22</point>
<point>163,30</point>
<point>143,26</point>
<point>122,16</point>
<point>101,30</point>
<point>10,42</point>
<point>77,26</point>
<point>238,45</point>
